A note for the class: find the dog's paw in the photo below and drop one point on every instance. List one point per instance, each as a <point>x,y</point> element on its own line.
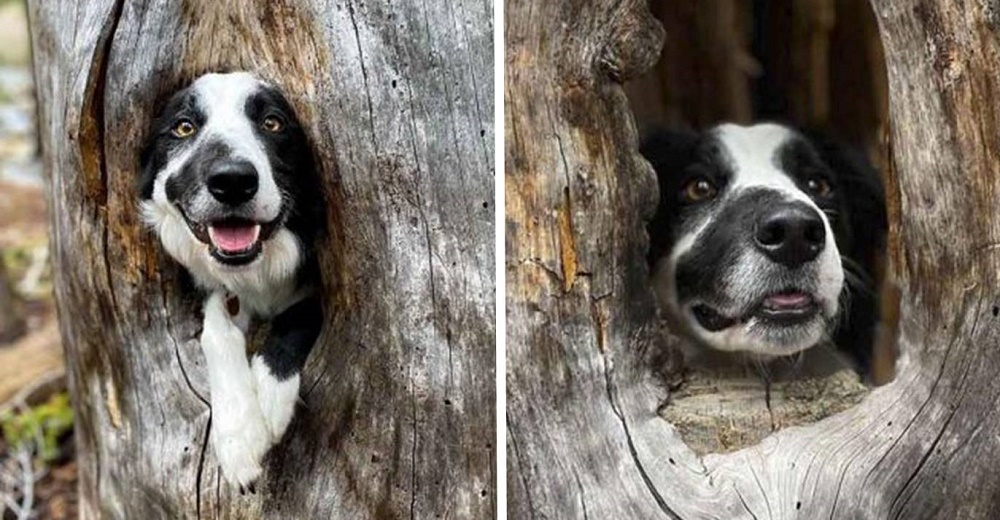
<point>241,439</point>
<point>277,398</point>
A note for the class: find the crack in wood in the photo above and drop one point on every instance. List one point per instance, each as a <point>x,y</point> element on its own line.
<point>650,486</point>
<point>744,502</point>
<point>583,496</point>
<point>91,131</point>
<point>954,409</point>
<point>364,76</point>
<point>177,352</point>
<point>184,374</point>
<point>201,465</point>
<point>920,465</point>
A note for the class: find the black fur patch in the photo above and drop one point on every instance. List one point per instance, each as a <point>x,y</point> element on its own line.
<point>291,338</point>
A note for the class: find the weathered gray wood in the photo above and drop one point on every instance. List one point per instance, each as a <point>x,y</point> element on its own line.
<point>11,318</point>
<point>583,434</point>
<point>397,419</point>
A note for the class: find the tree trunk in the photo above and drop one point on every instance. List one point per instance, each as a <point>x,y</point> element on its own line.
<point>11,320</point>
<point>397,418</point>
<point>583,431</point>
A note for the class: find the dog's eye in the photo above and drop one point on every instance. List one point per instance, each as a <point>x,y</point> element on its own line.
<point>818,187</point>
<point>183,129</point>
<point>698,189</point>
<point>273,124</point>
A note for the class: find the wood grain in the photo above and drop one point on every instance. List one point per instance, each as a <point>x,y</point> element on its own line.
<point>397,418</point>
<point>583,435</point>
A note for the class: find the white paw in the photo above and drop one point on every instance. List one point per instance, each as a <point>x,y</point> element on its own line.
<point>277,398</point>
<point>240,439</point>
<point>239,434</point>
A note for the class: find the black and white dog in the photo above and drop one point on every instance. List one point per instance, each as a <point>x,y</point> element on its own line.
<point>229,186</point>
<point>765,240</point>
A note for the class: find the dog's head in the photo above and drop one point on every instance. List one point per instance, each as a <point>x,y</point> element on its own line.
<point>228,182</point>
<point>747,243</point>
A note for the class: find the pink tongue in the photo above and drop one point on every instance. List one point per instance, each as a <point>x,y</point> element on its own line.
<point>788,301</point>
<point>234,239</point>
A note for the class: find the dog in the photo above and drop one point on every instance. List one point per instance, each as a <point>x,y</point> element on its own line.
<point>765,241</point>
<point>229,186</point>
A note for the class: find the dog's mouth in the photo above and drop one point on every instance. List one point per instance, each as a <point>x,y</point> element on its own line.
<point>785,308</point>
<point>233,241</point>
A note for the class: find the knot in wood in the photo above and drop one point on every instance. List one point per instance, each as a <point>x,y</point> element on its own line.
<point>634,44</point>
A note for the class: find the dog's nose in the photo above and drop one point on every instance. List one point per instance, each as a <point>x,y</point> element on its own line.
<point>791,234</point>
<point>233,183</point>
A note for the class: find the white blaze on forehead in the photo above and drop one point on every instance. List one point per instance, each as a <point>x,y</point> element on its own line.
<point>223,100</point>
<point>752,154</point>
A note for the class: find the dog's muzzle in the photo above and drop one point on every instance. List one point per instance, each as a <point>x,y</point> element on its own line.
<point>779,287</point>
<point>234,236</point>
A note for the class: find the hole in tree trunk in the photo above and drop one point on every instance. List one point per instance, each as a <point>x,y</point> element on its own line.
<point>817,67</point>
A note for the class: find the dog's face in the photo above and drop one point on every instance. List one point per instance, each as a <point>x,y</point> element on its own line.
<point>745,251</point>
<point>228,182</point>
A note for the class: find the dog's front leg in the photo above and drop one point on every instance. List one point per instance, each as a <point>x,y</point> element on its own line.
<point>239,433</point>
<point>277,366</point>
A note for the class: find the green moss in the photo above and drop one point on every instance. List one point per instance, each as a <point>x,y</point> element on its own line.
<point>44,424</point>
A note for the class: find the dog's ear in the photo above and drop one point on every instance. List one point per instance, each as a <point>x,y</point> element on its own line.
<point>864,200</point>
<point>669,151</point>
<point>311,199</point>
<point>147,173</point>
<point>308,213</point>
<point>866,220</point>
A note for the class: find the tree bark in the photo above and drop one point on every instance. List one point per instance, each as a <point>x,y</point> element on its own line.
<point>583,433</point>
<point>11,319</point>
<point>397,419</point>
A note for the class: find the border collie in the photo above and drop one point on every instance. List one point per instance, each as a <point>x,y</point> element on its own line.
<point>765,240</point>
<point>229,186</point>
